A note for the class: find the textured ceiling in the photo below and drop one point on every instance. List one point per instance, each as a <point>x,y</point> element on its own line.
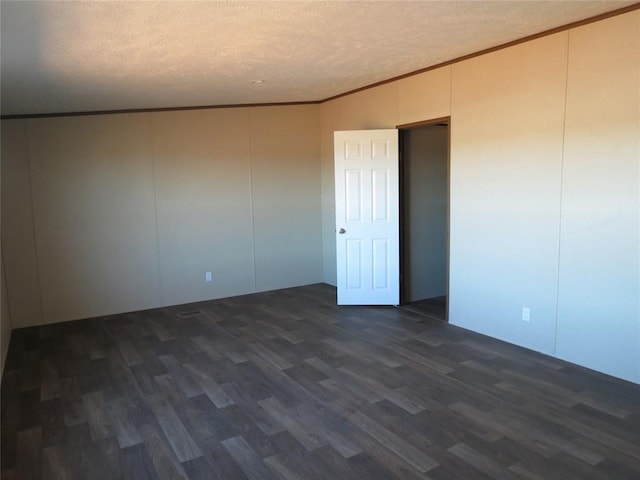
<point>87,56</point>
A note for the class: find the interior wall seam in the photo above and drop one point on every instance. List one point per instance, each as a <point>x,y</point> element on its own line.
<point>251,204</point>
<point>3,360</point>
<point>154,179</point>
<point>638,225</point>
<point>43,320</point>
<point>564,130</point>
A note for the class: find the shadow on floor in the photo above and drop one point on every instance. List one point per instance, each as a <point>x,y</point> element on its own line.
<point>435,307</point>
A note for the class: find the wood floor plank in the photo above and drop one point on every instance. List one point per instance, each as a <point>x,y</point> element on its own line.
<point>164,460</point>
<point>286,468</point>
<point>207,348</point>
<point>209,386</point>
<point>136,463</point>
<point>394,396</point>
<point>273,358</point>
<point>325,463</point>
<point>55,463</point>
<point>179,438</point>
<point>363,391</point>
<point>306,436</point>
<point>213,467</point>
<point>49,380</point>
<point>30,377</point>
<point>187,384</point>
<point>423,463</point>
<point>97,416</point>
<point>287,335</point>
<point>124,428</point>
<point>481,462</point>
<point>247,459</point>
<point>392,465</point>
<point>251,408</point>
<point>52,422</point>
<point>29,464</point>
<point>503,428</point>
<point>129,352</point>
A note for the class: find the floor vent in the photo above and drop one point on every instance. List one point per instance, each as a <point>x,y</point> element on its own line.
<point>190,313</point>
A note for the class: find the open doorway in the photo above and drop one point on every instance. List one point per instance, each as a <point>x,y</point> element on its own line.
<point>424,217</point>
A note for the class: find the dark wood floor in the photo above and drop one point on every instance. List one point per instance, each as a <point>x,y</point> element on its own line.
<point>435,307</point>
<point>285,385</point>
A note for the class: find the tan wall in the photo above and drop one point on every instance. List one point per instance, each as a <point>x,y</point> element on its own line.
<point>600,241</point>
<point>18,241</point>
<point>544,188</point>
<point>286,196</point>
<point>507,117</point>
<point>203,189</point>
<point>5,319</point>
<point>93,211</point>
<point>112,213</point>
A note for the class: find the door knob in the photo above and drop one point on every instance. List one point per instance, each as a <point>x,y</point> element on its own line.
<point>341,231</point>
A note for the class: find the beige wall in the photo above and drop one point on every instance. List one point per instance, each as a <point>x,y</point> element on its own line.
<point>203,190</point>
<point>93,212</point>
<point>544,188</point>
<point>112,213</point>
<point>600,242</point>
<point>18,241</point>
<point>507,115</point>
<point>286,196</point>
<point>5,319</point>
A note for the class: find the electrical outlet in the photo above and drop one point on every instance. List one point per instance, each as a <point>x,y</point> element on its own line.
<point>526,314</point>
<point>208,277</point>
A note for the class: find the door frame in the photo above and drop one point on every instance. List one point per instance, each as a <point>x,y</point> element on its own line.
<point>402,129</point>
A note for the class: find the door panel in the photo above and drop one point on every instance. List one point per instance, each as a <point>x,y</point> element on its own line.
<point>380,196</point>
<point>367,217</point>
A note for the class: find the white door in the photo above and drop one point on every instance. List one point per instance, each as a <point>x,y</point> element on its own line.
<point>367,217</point>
